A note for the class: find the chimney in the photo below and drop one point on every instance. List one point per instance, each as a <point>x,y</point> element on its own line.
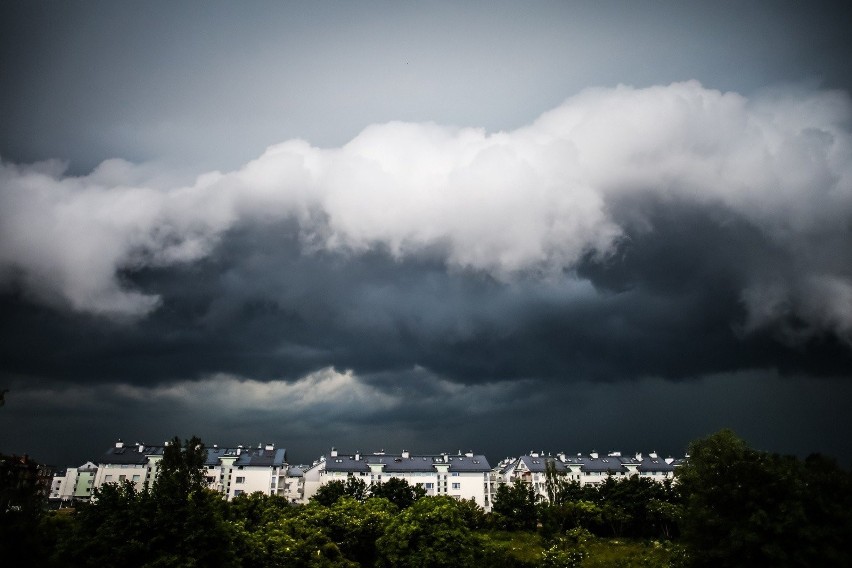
<point>469,454</point>
<point>269,447</point>
<point>141,448</point>
<point>357,455</point>
<point>594,454</point>
<point>669,460</point>
<point>333,452</point>
<point>638,456</point>
<point>446,458</point>
<point>653,455</point>
<point>405,454</point>
<point>119,444</point>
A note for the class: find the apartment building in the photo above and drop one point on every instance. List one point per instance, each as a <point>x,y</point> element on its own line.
<point>461,476</point>
<point>586,469</point>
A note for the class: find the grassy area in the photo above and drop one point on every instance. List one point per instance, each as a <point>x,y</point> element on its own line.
<point>524,546</point>
<point>630,553</point>
<point>527,548</point>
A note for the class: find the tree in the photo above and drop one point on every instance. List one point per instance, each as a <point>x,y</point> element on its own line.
<point>22,505</point>
<point>329,493</point>
<point>177,522</point>
<point>746,507</point>
<point>432,533</point>
<point>398,492</point>
<point>354,526</point>
<point>514,506</point>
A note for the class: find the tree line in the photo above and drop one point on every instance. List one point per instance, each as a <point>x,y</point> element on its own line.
<point>730,505</point>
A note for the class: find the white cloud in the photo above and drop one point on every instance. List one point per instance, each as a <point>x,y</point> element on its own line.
<point>534,199</point>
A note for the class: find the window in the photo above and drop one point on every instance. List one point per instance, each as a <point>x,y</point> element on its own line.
<point>455,474</point>
<point>240,480</point>
<point>136,478</point>
<point>430,486</point>
<point>108,478</point>
<point>238,492</point>
<point>456,485</point>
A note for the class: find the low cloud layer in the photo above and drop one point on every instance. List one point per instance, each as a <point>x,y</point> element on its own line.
<point>559,205</point>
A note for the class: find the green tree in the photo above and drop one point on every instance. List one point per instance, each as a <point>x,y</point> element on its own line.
<point>398,492</point>
<point>746,507</point>
<point>330,492</point>
<point>432,533</point>
<point>354,526</point>
<point>177,522</point>
<point>514,506</point>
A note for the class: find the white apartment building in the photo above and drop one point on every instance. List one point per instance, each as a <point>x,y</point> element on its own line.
<point>240,470</point>
<point>585,469</point>
<point>230,471</point>
<point>462,476</point>
<point>73,484</point>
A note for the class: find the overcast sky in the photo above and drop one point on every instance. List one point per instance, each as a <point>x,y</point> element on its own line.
<point>488,226</point>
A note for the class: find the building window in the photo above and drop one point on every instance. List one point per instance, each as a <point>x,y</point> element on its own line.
<point>238,492</point>
<point>430,486</point>
<point>136,478</point>
<point>240,480</point>
<point>456,485</point>
<point>122,477</point>
<point>455,474</point>
<point>108,478</point>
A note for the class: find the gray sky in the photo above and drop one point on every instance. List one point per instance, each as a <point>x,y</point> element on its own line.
<point>489,226</point>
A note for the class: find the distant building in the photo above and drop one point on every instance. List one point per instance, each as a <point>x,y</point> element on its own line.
<point>462,476</point>
<point>21,480</point>
<point>233,471</point>
<point>73,484</point>
<point>584,469</point>
<point>230,471</point>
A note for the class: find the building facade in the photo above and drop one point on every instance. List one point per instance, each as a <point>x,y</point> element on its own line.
<point>462,476</point>
<point>584,469</point>
<point>233,471</point>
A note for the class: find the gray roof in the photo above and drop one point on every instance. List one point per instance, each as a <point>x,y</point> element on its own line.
<point>656,465</point>
<point>262,458</point>
<point>131,455</point>
<point>395,463</point>
<point>538,464</point>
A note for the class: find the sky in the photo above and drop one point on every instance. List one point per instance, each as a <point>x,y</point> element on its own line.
<point>488,226</point>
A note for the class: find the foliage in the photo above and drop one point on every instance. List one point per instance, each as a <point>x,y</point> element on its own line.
<point>746,507</point>
<point>21,506</point>
<point>398,492</point>
<point>329,493</point>
<point>430,533</point>
<point>514,507</point>
<point>353,525</point>
<point>567,551</point>
<point>176,522</point>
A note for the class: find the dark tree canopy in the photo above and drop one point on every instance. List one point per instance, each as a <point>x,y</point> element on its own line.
<point>750,508</point>
<point>398,492</point>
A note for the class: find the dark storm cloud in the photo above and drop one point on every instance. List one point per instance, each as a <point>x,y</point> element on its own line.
<point>667,304</point>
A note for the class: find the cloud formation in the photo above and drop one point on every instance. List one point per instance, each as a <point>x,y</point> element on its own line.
<point>535,203</point>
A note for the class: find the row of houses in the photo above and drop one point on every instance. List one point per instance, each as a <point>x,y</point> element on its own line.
<point>233,471</point>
